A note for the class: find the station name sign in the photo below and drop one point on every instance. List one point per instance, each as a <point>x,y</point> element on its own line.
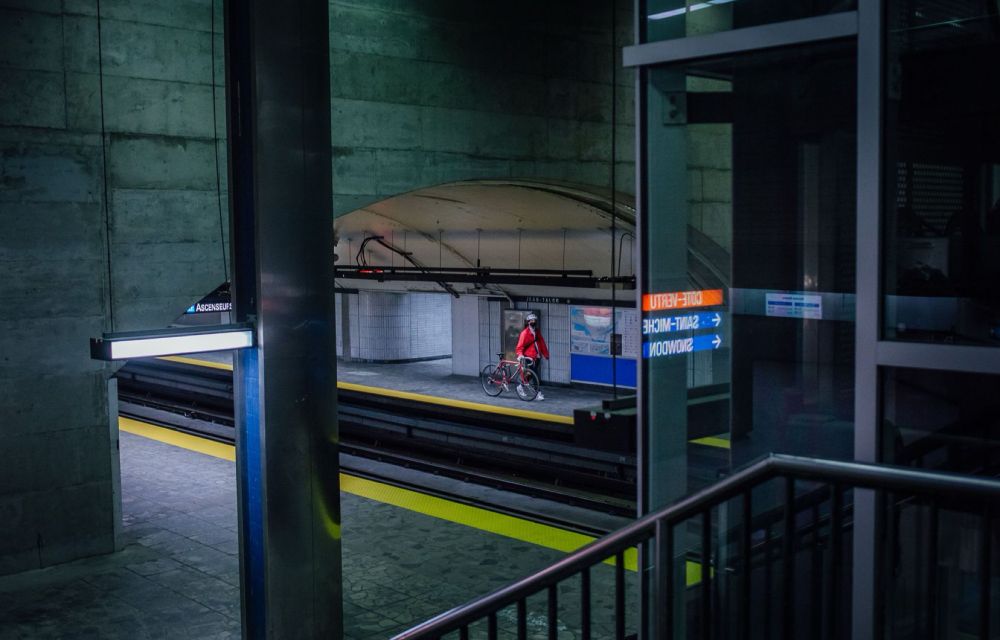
<point>681,300</point>
<point>689,322</point>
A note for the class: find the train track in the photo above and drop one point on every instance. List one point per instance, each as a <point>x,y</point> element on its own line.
<point>408,443</point>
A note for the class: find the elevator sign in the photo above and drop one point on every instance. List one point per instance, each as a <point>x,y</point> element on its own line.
<point>681,300</point>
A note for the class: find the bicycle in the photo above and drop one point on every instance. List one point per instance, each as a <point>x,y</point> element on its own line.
<point>498,378</point>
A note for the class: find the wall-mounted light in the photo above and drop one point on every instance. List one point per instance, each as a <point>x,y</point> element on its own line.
<point>164,342</point>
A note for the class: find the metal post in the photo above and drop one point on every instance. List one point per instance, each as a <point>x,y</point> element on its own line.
<point>278,105</point>
<point>867,317</point>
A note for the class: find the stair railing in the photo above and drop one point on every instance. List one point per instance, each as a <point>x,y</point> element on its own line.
<point>657,532</point>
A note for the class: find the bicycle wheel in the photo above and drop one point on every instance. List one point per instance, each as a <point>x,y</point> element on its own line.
<point>527,387</point>
<point>492,380</point>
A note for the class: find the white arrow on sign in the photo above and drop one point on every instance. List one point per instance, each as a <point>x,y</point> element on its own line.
<point>717,341</point>
<point>717,320</point>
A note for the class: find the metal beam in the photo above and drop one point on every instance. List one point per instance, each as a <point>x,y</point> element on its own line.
<point>472,276</point>
<point>941,357</point>
<point>778,34</point>
<point>278,102</point>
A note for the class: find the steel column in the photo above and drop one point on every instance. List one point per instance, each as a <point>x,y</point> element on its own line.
<point>278,105</point>
<point>865,596</point>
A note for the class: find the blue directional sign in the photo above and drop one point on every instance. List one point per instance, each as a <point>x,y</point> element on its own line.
<point>686,322</point>
<point>679,346</point>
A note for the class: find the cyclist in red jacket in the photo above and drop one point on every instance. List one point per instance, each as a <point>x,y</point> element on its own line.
<point>531,344</point>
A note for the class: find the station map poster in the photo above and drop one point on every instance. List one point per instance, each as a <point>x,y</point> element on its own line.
<point>590,344</point>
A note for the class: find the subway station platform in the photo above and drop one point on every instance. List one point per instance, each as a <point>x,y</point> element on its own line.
<point>433,378</point>
<point>406,557</point>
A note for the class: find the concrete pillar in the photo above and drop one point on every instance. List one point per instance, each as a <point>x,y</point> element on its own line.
<point>465,336</point>
<point>278,83</point>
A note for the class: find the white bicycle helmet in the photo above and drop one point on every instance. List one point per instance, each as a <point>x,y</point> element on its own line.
<point>530,317</point>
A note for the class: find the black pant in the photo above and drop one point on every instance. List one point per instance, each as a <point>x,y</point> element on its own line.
<point>536,366</point>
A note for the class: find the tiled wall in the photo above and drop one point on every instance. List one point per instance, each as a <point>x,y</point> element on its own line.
<point>391,327</point>
<point>465,328</point>
<point>381,326</point>
<point>430,324</point>
<point>489,329</point>
<point>553,321</point>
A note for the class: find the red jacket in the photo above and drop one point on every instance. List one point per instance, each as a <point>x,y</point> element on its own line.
<point>529,345</point>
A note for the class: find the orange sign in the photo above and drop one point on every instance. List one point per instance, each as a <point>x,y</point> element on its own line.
<point>681,300</point>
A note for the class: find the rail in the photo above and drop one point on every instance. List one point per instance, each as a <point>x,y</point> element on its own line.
<point>976,494</point>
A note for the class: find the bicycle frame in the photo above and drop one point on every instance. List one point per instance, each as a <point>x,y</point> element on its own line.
<point>517,374</point>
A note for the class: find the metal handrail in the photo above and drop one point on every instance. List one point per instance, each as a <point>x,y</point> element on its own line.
<point>844,474</point>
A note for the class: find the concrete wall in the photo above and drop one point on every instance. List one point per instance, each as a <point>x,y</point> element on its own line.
<point>441,90</point>
<point>164,204</point>
<point>58,454</point>
<point>423,93</point>
<point>377,326</point>
<point>710,171</point>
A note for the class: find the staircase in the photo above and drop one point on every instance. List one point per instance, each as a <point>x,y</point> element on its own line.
<point>769,553</point>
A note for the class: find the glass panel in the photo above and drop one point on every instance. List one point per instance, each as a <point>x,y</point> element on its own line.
<point>934,567</point>
<point>942,172</point>
<point>941,420</point>
<point>744,548</point>
<point>749,263</point>
<point>669,19</point>
<point>947,421</point>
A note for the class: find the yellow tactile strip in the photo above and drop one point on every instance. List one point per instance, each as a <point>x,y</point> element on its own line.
<point>483,519</point>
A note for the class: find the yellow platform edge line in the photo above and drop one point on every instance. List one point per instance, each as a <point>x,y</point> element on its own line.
<point>197,362</point>
<point>708,441</point>
<point>713,441</point>
<point>500,524</point>
<point>178,439</point>
<point>490,521</point>
<point>462,404</point>
<point>405,395</point>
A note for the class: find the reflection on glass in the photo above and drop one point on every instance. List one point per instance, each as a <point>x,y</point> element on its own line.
<point>932,565</point>
<point>669,19</point>
<point>945,421</point>
<point>748,315</point>
<point>942,173</point>
<point>941,420</point>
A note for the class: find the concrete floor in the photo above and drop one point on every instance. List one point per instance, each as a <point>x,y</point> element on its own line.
<point>434,377</point>
<point>177,575</point>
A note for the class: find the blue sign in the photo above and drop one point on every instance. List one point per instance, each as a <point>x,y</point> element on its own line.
<point>679,346</point>
<point>687,322</point>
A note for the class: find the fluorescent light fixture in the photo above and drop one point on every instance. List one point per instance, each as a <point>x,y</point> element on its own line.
<point>688,9</point>
<point>165,342</point>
